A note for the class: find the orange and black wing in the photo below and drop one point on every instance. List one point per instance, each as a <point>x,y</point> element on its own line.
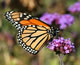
<point>16,17</point>
<point>33,37</point>
<point>32,33</point>
<point>19,19</point>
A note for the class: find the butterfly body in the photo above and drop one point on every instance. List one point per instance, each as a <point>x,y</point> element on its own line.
<point>32,32</point>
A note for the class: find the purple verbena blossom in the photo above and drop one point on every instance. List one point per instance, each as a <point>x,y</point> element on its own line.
<point>75,7</point>
<point>49,18</point>
<point>61,45</point>
<point>64,20</point>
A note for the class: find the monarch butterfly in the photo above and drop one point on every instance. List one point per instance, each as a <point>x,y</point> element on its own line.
<point>32,32</point>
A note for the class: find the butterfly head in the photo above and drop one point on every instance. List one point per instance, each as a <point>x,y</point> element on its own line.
<point>54,32</point>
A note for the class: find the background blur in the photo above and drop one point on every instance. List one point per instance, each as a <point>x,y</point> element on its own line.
<point>13,54</point>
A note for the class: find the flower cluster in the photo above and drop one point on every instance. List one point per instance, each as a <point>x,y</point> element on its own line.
<point>75,7</point>
<point>61,45</point>
<point>63,20</point>
<point>49,18</point>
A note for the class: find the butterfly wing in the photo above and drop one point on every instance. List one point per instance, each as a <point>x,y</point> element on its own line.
<point>16,17</point>
<point>23,19</point>
<point>33,37</point>
<point>32,33</point>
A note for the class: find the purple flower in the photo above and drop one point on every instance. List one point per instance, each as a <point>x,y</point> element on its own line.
<point>67,51</point>
<point>75,7</point>
<point>49,18</point>
<point>51,47</point>
<point>65,47</point>
<point>61,45</point>
<point>65,21</point>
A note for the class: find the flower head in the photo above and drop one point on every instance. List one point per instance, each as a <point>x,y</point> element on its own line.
<point>64,20</point>
<point>75,7</point>
<point>61,45</point>
<point>49,18</point>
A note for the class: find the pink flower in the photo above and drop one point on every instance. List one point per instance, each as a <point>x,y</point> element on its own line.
<point>61,45</point>
<point>75,7</point>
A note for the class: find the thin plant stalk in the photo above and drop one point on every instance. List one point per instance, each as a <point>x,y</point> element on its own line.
<point>61,56</point>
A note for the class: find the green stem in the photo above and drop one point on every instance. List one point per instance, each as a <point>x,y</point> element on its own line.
<point>61,59</point>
